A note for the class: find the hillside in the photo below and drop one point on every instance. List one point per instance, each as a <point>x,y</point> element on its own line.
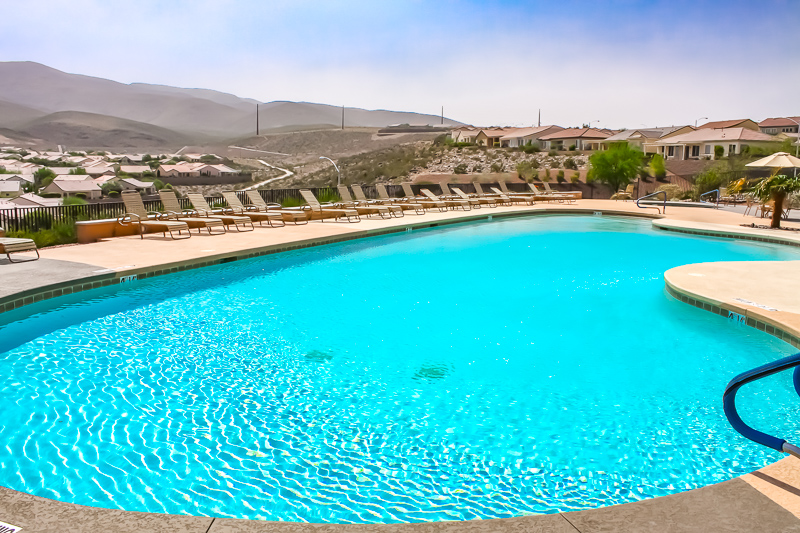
<point>13,115</point>
<point>193,112</point>
<point>75,129</point>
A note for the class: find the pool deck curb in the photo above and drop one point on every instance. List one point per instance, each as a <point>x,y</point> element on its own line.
<point>765,500</point>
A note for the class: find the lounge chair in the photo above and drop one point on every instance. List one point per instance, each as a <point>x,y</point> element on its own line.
<point>627,194</point>
<point>9,245</point>
<point>149,220</point>
<point>403,203</point>
<point>566,196</point>
<point>551,195</point>
<point>475,201</point>
<point>513,199</point>
<point>504,189</point>
<point>362,208</point>
<point>257,203</point>
<point>174,211</point>
<point>479,192</point>
<point>326,211</point>
<point>441,205</point>
<point>394,209</point>
<point>235,207</point>
<point>451,203</point>
<point>203,209</point>
<point>446,192</point>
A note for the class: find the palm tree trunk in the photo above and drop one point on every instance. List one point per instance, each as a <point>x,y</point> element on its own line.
<point>777,210</point>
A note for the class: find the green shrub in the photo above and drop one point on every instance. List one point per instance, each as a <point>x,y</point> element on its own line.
<point>74,200</point>
<point>576,177</point>
<point>325,197</point>
<point>560,176</point>
<point>60,233</point>
<point>497,167</point>
<point>546,176</point>
<point>291,202</point>
<point>461,168</point>
<point>719,151</point>
<point>113,194</point>
<point>80,195</point>
<point>673,191</point>
<point>570,164</point>
<point>553,152</point>
<point>571,147</point>
<point>477,169</point>
<point>525,170</point>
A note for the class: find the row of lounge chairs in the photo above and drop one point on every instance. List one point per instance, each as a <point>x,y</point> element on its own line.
<point>179,222</point>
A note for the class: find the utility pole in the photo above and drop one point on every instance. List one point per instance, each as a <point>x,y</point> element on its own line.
<point>442,114</point>
<point>540,117</point>
<point>343,117</point>
<point>257,130</point>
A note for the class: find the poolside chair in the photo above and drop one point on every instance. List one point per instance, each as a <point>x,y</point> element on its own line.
<point>9,245</point>
<point>235,207</point>
<point>426,202</point>
<point>174,211</point>
<point>451,203</point>
<point>325,211</point>
<point>289,215</point>
<point>362,208</point>
<point>395,210</point>
<point>446,192</point>
<point>202,208</point>
<point>627,194</point>
<point>474,201</point>
<point>504,189</point>
<point>479,192</point>
<point>559,196</point>
<point>149,220</point>
<point>402,203</point>
<point>508,200</point>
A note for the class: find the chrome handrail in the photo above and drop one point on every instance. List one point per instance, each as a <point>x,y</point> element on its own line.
<point>650,195</point>
<point>729,402</point>
<point>710,192</point>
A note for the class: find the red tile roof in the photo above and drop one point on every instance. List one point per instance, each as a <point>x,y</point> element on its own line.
<point>575,133</point>
<point>778,122</point>
<point>723,124</point>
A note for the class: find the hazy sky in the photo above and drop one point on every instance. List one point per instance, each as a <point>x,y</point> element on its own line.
<point>619,63</point>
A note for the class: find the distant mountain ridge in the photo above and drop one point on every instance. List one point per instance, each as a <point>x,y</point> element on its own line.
<point>30,92</point>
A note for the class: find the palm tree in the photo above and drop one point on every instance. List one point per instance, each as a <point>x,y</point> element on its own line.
<point>776,188</point>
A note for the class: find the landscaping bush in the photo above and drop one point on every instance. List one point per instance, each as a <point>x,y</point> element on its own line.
<point>546,176</point>
<point>113,194</point>
<point>291,202</point>
<point>673,191</point>
<point>570,164</point>
<point>477,169</point>
<point>60,233</point>
<point>531,148</point>
<point>74,200</point>
<point>571,147</point>
<point>553,152</point>
<point>576,177</point>
<point>328,197</point>
<point>525,170</point>
<point>719,151</point>
<point>37,220</point>
<point>497,167</point>
<point>460,168</point>
<point>560,176</point>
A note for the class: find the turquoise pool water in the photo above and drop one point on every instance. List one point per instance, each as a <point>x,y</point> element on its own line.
<point>475,371</point>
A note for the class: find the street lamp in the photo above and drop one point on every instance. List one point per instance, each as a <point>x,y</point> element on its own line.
<point>590,122</point>
<point>339,179</point>
<point>701,118</point>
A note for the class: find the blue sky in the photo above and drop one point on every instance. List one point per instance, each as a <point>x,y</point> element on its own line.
<point>620,63</point>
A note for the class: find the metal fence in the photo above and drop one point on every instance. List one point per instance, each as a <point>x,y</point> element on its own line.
<point>25,218</point>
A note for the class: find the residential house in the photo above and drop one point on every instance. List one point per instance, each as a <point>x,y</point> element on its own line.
<point>132,184</point>
<point>491,136</point>
<point>74,177</point>
<point>10,189</point>
<point>736,123</point>
<point>24,179</point>
<point>464,135</point>
<point>699,144</point>
<point>185,170</point>
<point>131,159</point>
<point>103,179</point>
<point>98,168</point>
<point>774,126</point>
<point>522,136</point>
<point>72,187</point>
<point>580,138</point>
<point>19,167</point>
<point>642,139</point>
<point>33,200</point>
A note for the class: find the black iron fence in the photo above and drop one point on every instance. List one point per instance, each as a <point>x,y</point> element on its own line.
<point>32,218</point>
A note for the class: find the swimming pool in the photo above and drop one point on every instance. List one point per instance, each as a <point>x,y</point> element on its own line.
<point>477,371</point>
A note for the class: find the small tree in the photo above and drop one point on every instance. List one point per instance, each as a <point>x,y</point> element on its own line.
<point>546,176</point>
<point>43,177</point>
<point>525,170</point>
<point>776,188</point>
<point>617,166</point>
<point>576,177</point>
<point>78,171</point>
<point>560,176</point>
<point>719,151</point>
<point>657,167</point>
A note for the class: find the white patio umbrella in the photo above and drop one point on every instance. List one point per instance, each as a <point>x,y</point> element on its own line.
<point>778,160</point>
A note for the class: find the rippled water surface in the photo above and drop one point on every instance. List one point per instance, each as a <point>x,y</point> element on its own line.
<point>485,370</point>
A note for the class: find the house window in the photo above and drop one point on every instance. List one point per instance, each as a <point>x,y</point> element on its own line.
<point>708,149</point>
<point>696,151</point>
<point>670,151</point>
<point>731,149</point>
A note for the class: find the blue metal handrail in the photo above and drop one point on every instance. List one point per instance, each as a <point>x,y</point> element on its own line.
<point>729,402</point>
<point>650,195</point>
<point>710,192</point>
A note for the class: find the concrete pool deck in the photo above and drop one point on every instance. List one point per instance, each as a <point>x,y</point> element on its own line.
<point>764,292</point>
